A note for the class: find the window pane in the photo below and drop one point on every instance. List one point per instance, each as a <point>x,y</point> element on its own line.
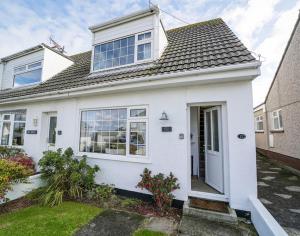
<point>5,133</point>
<point>6,117</point>
<point>20,117</point>
<point>20,69</point>
<point>138,138</point>
<point>114,54</point>
<point>276,123</point>
<point>215,129</point>
<point>137,112</point>
<point>104,132</point>
<point>37,64</point>
<point>27,78</point>
<point>18,134</point>
<point>208,131</point>
<point>144,51</point>
<point>280,119</point>
<point>52,130</point>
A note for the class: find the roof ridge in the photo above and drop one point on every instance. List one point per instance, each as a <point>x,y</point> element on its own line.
<point>207,22</point>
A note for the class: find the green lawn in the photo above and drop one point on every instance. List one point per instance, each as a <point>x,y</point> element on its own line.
<point>37,220</point>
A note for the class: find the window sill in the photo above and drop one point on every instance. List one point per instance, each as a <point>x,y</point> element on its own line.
<point>277,131</point>
<point>115,157</point>
<point>259,131</point>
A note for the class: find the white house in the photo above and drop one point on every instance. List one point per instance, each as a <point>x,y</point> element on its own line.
<point>173,101</point>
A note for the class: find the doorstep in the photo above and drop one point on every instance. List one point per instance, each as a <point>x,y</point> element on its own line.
<point>229,216</point>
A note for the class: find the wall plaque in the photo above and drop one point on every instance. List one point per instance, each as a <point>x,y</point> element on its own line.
<point>31,131</point>
<point>166,129</point>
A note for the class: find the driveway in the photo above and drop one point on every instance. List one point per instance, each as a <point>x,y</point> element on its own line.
<point>279,191</point>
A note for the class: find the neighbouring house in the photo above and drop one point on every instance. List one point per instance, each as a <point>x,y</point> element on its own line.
<point>277,120</point>
<point>176,100</point>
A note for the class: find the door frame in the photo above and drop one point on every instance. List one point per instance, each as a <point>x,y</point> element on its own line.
<point>224,139</point>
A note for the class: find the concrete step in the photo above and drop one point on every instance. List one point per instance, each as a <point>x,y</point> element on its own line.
<point>228,218</point>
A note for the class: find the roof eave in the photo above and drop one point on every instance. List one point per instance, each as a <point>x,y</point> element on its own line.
<point>23,53</point>
<point>120,20</point>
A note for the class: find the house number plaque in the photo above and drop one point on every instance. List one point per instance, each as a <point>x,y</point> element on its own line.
<point>31,131</point>
<point>241,136</point>
<point>166,129</point>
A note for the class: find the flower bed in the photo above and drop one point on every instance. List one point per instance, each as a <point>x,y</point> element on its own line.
<point>17,174</point>
<point>21,189</point>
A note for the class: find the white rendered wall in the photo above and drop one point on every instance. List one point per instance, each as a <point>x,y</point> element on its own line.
<point>8,73</point>
<point>53,64</point>
<point>166,151</point>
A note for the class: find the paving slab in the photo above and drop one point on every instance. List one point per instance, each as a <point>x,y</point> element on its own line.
<point>284,193</point>
<point>284,196</point>
<point>165,225</point>
<point>112,223</point>
<point>190,226</point>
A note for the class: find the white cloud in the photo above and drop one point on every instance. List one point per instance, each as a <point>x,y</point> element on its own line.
<point>272,48</point>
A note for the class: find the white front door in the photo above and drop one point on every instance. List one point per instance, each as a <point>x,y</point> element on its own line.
<point>213,148</point>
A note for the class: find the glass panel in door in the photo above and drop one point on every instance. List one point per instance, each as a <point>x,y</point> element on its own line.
<point>52,130</point>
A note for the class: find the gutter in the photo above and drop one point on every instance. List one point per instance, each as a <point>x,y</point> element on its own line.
<point>68,92</point>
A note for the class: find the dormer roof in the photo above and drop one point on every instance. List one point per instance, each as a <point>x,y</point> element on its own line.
<point>199,46</point>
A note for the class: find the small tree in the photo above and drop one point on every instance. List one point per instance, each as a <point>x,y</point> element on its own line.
<point>160,187</point>
<point>10,173</point>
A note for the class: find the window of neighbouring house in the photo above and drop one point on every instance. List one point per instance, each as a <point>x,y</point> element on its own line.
<point>28,74</point>
<point>12,129</point>
<point>121,52</point>
<point>114,131</point>
<point>277,123</point>
<point>259,123</point>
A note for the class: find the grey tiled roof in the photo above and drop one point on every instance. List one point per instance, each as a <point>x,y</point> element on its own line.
<point>193,47</point>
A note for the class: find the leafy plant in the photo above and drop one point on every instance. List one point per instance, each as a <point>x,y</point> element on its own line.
<point>65,176</point>
<point>101,192</point>
<point>9,151</point>
<point>160,187</point>
<point>10,173</point>
<point>25,161</point>
<point>130,202</point>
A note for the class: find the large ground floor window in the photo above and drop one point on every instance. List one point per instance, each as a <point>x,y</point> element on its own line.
<point>116,131</point>
<point>12,126</point>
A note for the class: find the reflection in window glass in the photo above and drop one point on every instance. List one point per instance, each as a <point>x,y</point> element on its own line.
<point>27,78</point>
<point>117,53</point>
<point>215,130</point>
<point>18,133</point>
<point>208,131</point>
<point>52,130</point>
<point>104,131</point>
<point>144,51</point>
<point>137,112</point>
<point>138,138</point>
<point>5,133</point>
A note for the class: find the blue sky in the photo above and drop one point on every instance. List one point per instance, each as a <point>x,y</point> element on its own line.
<point>264,26</point>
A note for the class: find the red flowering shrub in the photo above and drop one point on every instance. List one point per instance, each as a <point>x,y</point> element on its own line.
<point>160,187</point>
<point>25,161</point>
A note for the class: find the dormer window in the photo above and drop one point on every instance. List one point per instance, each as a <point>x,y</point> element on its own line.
<point>28,74</point>
<point>124,51</point>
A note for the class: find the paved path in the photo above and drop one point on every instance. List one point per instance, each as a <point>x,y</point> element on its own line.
<point>279,191</point>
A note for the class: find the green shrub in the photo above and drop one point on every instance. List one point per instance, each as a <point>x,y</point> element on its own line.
<point>65,176</point>
<point>130,202</point>
<point>9,151</point>
<point>10,173</point>
<point>101,192</point>
<point>160,187</point>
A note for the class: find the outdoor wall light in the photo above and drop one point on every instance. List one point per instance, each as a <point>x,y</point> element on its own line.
<point>164,116</point>
<point>35,122</point>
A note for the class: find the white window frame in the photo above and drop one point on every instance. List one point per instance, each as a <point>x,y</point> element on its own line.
<point>259,119</point>
<point>128,157</point>
<point>274,117</point>
<point>136,43</point>
<point>27,69</point>
<point>11,130</point>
